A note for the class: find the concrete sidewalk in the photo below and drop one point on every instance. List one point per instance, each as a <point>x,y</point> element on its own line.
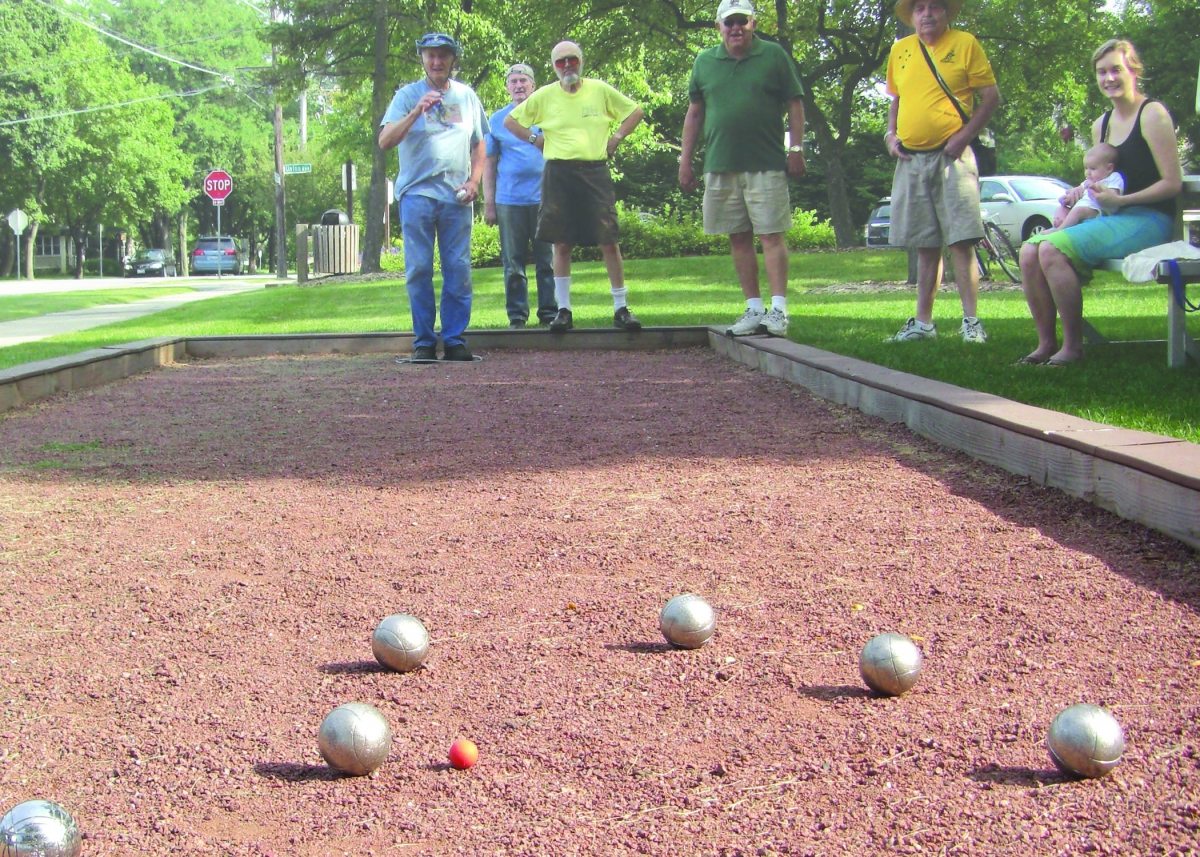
<point>43,326</point>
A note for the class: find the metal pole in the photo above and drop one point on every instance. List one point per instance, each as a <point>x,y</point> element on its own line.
<point>219,250</point>
<point>100,228</point>
<point>280,225</point>
<point>18,236</point>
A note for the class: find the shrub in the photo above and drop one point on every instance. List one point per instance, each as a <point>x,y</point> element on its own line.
<point>808,233</point>
<point>643,236</point>
<point>485,250</point>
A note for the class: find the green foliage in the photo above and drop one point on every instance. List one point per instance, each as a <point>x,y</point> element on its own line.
<point>1166,33</point>
<point>485,245</point>
<point>485,250</point>
<point>644,235</point>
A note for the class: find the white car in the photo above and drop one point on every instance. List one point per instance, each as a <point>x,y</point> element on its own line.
<point>1021,205</point>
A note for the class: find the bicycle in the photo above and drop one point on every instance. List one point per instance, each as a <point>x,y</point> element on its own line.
<point>995,247</point>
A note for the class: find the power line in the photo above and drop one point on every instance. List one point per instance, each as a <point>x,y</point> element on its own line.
<point>80,20</point>
<point>187,94</point>
<point>115,52</point>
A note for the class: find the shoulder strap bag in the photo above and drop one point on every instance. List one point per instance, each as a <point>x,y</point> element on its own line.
<point>984,145</point>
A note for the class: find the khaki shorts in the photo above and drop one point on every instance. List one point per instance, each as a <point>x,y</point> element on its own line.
<point>935,201</point>
<point>746,202</point>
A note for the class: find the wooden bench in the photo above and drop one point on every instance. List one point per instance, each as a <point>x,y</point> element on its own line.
<point>1180,344</point>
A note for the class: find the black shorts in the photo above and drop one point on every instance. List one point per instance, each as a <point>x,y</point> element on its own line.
<point>579,205</point>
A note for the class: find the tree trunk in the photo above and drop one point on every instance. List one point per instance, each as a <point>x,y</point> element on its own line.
<point>160,231</point>
<point>79,239</point>
<point>181,232</point>
<point>7,251</point>
<point>377,202</point>
<point>833,151</point>
<point>28,243</point>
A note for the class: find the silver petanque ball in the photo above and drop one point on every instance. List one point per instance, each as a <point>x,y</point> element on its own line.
<point>400,642</point>
<point>355,738</point>
<point>39,828</point>
<point>1085,740</point>
<point>687,621</point>
<point>890,663</point>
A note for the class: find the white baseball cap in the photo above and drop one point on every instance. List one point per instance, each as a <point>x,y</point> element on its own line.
<point>734,7</point>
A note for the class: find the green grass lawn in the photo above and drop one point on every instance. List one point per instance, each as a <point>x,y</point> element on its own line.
<point>13,307</point>
<point>1122,385</point>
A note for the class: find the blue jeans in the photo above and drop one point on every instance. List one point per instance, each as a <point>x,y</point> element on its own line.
<point>517,225</point>
<point>423,218</point>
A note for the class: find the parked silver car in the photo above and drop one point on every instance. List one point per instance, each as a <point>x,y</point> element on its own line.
<point>214,253</point>
<point>879,224</point>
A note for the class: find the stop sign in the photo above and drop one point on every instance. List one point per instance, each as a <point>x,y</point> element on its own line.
<point>218,184</point>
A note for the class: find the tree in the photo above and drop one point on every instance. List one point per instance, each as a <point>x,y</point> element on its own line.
<point>1166,34</point>
<point>208,51</point>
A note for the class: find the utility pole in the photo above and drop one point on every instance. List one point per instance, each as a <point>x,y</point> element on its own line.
<point>280,211</point>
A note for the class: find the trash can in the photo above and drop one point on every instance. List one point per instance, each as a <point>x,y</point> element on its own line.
<point>335,244</point>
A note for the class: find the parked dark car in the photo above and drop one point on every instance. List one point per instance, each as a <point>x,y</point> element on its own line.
<point>879,224</point>
<point>214,253</point>
<point>151,263</point>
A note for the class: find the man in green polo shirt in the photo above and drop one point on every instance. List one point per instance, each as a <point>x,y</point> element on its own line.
<point>739,92</point>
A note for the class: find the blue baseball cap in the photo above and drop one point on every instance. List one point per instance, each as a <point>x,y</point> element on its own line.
<point>437,40</point>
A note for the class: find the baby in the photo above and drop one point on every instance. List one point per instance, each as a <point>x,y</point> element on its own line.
<point>1100,169</point>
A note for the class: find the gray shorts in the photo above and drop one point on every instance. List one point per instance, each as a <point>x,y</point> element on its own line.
<point>746,202</point>
<point>935,201</point>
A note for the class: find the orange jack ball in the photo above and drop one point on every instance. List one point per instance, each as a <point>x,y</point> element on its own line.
<point>463,754</point>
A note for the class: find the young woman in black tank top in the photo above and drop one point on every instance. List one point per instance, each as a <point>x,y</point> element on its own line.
<point>1054,265</point>
<point>1135,159</point>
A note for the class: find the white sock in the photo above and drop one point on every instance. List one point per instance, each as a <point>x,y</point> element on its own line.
<point>619,297</point>
<point>754,303</point>
<point>562,292</point>
<point>779,302</point>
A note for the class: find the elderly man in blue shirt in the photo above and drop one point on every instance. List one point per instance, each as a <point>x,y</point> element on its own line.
<point>438,125</point>
<point>512,187</point>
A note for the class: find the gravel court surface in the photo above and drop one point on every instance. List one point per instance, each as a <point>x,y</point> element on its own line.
<point>194,559</point>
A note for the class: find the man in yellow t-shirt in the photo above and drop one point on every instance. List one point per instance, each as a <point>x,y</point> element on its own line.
<point>579,205</point>
<point>935,190</point>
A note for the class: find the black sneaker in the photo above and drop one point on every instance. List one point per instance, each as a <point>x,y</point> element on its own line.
<point>424,352</point>
<point>544,320</point>
<point>623,319</point>
<point>458,352</point>
<point>562,322</point>
<point>516,324</point>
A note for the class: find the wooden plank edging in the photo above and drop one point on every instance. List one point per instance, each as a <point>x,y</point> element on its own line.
<point>1148,478</point>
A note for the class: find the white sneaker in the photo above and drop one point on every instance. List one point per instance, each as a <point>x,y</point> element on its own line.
<point>914,330</point>
<point>749,323</point>
<point>776,322</point>
<point>972,330</point>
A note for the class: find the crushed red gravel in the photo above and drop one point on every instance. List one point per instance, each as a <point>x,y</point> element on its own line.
<point>193,561</point>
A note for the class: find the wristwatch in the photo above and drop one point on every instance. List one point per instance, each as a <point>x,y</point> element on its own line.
<point>533,135</point>
<point>792,149</point>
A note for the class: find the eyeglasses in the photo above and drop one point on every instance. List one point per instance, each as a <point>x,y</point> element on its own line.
<point>563,62</point>
<point>736,21</point>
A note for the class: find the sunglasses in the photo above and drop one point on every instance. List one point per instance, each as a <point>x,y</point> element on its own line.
<point>563,62</point>
<point>736,21</point>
